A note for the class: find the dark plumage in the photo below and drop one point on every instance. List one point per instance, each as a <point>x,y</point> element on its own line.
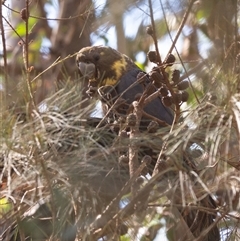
<point>104,66</point>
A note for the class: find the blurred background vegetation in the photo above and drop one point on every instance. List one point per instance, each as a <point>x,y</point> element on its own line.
<point>58,29</point>
<point>38,59</point>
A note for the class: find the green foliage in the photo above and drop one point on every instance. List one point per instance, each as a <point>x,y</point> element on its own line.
<point>5,206</point>
<point>20,29</point>
<point>140,65</point>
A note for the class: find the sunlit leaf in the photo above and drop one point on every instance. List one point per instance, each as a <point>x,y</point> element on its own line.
<point>5,206</point>
<point>21,27</point>
<point>140,65</point>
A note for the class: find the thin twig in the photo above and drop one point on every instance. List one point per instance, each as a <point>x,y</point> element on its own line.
<point>154,32</point>
<point>133,148</point>
<point>175,40</point>
<point>160,65</point>
<point>49,19</point>
<point>25,45</point>
<point>182,24</point>
<point>164,146</point>
<point>45,24</point>
<point>56,62</point>
<point>106,218</point>
<point>26,61</point>
<point>13,29</point>
<point>4,52</point>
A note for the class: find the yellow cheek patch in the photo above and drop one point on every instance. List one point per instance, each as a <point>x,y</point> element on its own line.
<point>109,81</point>
<point>119,67</point>
<point>92,80</point>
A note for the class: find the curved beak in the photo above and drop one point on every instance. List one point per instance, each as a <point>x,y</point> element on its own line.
<point>87,69</point>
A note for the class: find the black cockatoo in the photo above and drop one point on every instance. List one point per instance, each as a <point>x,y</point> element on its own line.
<point>104,66</point>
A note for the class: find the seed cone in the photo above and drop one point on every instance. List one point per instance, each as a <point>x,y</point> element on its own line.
<point>170,60</point>
<point>176,76</point>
